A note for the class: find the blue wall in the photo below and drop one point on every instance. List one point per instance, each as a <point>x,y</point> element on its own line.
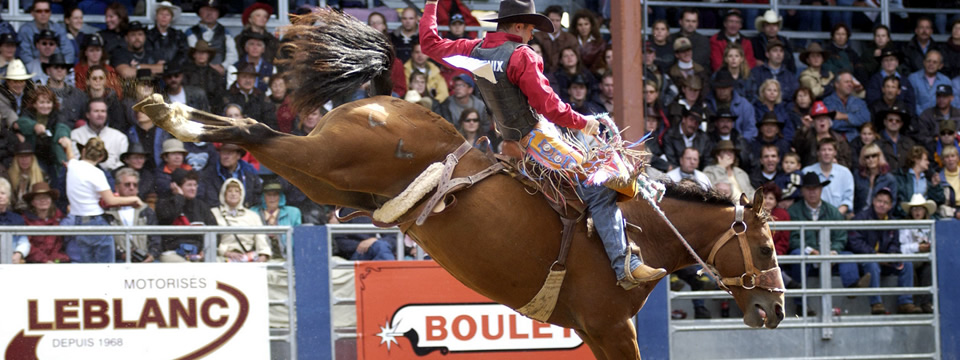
<point>948,265</point>
<point>312,278</point>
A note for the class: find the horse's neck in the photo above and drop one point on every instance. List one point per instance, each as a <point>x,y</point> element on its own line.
<point>700,224</point>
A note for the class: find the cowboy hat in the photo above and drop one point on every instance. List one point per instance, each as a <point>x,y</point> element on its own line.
<point>918,200</point>
<point>890,52</point>
<point>245,18</point>
<point>819,109</point>
<point>769,17</point>
<point>811,179</point>
<point>92,40</point>
<point>17,71</point>
<point>172,145</point>
<point>694,82</point>
<point>232,147</point>
<point>171,68</point>
<point>247,68</point>
<point>39,189</point>
<point>682,44</point>
<point>8,38</point>
<point>522,11</point>
<point>56,60</point>
<point>272,186</point>
<point>133,149</point>
<point>813,47</point>
<point>723,79</point>
<point>23,148</point>
<point>176,10</point>
<point>723,113</point>
<point>770,118</point>
<point>725,145</point>
<point>881,115</point>
<point>203,45</point>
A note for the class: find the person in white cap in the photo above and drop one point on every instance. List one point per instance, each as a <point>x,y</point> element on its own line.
<point>16,83</point>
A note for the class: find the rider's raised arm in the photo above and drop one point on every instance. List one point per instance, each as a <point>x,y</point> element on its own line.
<point>526,70</point>
<point>435,47</point>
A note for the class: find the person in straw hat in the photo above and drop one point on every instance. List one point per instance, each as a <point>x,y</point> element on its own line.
<point>519,95</point>
<point>768,29</point>
<point>168,43</point>
<point>914,241</point>
<point>16,85</point>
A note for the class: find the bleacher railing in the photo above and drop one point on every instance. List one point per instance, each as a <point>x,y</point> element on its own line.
<point>826,320</point>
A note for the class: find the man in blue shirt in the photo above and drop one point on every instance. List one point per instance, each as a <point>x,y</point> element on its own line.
<point>926,81</point>
<point>851,110</point>
<point>839,189</point>
<point>41,21</point>
<point>890,60</point>
<point>776,67</point>
<point>725,98</point>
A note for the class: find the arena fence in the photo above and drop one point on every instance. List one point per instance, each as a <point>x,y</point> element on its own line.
<point>812,340</point>
<point>210,234</point>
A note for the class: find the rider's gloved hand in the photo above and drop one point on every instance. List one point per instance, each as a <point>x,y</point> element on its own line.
<point>592,127</point>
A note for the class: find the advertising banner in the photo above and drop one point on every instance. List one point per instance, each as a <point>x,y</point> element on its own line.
<point>134,311</point>
<point>416,310</point>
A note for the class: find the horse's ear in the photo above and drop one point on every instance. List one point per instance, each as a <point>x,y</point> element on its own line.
<point>744,201</point>
<point>758,201</point>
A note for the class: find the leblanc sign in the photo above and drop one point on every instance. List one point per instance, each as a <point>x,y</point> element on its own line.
<point>125,311</point>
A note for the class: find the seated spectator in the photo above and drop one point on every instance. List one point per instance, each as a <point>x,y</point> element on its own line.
<point>135,159</point>
<point>851,111</point>
<point>691,96</point>
<point>769,169</point>
<point>405,37</point>
<point>882,242</point>
<point>114,141</point>
<point>23,173</point>
<point>168,43</point>
<point>689,162</point>
<point>913,178</point>
<point>840,189</point>
<point>730,33</point>
<point>116,19</point>
<point>144,248</point>
<point>768,37</point>
<point>872,175</point>
<point>8,50</point>
<point>91,54</point>
<point>15,86</point>
<point>118,116</point>
<point>305,125</point>
<point>687,134</point>
<point>77,30</point>
<point>776,68</point>
<point>469,127</point>
<point>570,68</point>
<point>254,46</point>
<point>176,92</point>
<point>918,48</point>
<point>656,127</point>
<point>230,166</point>
<point>579,97</point>
<point>951,51</point>
<point>842,57</point>
<point>42,212</point>
<point>725,98</point>
<point>890,65</point>
<point>950,183</point>
<point>734,64</point>
<point>46,44</point>
<point>40,10</point>
<point>231,212</point>
<point>21,245</point>
<point>362,247</point>
<point>815,77</point>
<point>417,92</point>
<point>771,133</point>
<point>913,241</point>
<point>721,127</point>
<point>868,135</point>
<point>873,54</point>
<point>172,155</point>
<point>86,187</point>
<point>653,104</point>
<point>215,34</point>
<point>551,43</point>
<point>814,128</point>
<point>254,20</point>
<point>685,67</point>
<point>726,167</point>
<point>254,102</point>
<point>458,28</point>
<point>896,146</point>
<point>436,84</point>
<point>662,47</point>
<point>890,97</point>
<point>150,138</point>
<point>944,111</point>
<point>927,80</point>
<point>274,211</point>
<point>781,239</point>
<point>592,45</point>
<point>40,126</point>
<point>771,102</point>
<point>198,72</point>
<point>462,98</point>
<point>136,55</point>
<point>652,72</point>
<point>814,208</point>
<point>72,100</point>
<point>183,208</point>
<point>947,139</point>
<point>791,190</point>
<point>802,101</point>
<point>604,97</point>
<point>286,115</point>
<point>377,21</point>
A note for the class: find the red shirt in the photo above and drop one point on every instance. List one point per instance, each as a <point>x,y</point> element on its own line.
<point>525,69</point>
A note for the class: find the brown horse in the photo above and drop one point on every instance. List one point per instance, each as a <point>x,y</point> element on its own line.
<point>498,239</point>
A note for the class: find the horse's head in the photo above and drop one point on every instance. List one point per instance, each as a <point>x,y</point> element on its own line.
<point>747,263</point>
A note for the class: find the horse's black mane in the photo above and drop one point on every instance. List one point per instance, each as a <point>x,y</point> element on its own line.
<point>695,193</point>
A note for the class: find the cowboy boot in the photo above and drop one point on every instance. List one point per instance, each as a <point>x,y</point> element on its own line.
<point>645,273</point>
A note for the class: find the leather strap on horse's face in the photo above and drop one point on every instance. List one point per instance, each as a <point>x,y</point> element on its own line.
<point>769,279</point>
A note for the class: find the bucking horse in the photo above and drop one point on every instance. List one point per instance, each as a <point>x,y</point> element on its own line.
<point>494,235</point>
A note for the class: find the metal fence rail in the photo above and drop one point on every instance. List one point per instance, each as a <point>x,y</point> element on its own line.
<point>210,240</point>
<point>826,321</point>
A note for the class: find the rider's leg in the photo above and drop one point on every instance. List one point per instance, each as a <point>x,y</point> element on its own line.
<point>608,221</point>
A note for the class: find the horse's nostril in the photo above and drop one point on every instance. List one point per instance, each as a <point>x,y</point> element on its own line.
<point>779,310</point>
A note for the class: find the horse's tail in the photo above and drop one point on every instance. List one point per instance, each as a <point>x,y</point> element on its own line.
<point>330,54</point>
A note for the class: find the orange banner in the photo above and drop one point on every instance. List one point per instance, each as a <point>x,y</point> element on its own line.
<point>416,310</point>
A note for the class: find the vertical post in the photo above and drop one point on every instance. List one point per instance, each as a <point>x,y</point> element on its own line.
<point>6,247</point>
<point>775,6</point>
<point>126,239</point>
<point>627,29</point>
<point>885,12</point>
<point>826,301</point>
<point>210,247</point>
<point>291,295</point>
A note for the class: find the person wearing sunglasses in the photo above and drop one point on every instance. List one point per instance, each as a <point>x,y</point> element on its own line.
<point>40,10</point>
<point>145,248</point>
<point>944,110</point>
<point>947,139</point>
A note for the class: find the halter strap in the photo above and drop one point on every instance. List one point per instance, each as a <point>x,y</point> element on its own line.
<point>769,279</point>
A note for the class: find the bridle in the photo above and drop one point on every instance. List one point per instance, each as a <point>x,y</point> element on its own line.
<point>769,279</point>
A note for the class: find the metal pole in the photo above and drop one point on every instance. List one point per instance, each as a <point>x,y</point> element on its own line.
<point>826,302</point>
<point>775,6</point>
<point>291,299</point>
<point>126,249</point>
<point>210,247</point>
<point>935,292</point>
<point>627,28</point>
<point>6,248</point>
<point>885,12</point>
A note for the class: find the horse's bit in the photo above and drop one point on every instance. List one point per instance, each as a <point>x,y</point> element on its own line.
<point>769,279</point>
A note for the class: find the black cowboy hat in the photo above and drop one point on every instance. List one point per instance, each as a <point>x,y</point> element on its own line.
<point>92,40</point>
<point>172,68</point>
<point>56,60</point>
<point>694,111</point>
<point>890,52</point>
<point>8,38</point>
<point>723,113</point>
<point>881,115</point>
<point>233,147</point>
<point>770,118</point>
<point>251,35</point>
<point>723,79</point>
<point>811,179</point>
<point>135,26</point>
<point>133,149</point>
<point>23,148</point>
<point>46,34</point>
<point>522,11</point>
<point>145,75</point>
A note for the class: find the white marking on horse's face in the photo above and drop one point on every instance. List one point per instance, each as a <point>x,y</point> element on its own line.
<point>378,119</point>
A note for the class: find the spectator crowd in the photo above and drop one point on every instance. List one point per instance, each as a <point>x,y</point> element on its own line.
<point>830,130</point>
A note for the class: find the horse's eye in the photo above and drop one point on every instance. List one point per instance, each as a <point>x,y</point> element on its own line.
<point>766,251</point>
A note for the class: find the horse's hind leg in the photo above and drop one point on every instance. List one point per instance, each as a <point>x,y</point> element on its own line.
<point>617,340</point>
<point>192,125</point>
<point>595,348</point>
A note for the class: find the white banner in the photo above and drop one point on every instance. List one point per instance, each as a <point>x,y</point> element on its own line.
<point>134,311</point>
